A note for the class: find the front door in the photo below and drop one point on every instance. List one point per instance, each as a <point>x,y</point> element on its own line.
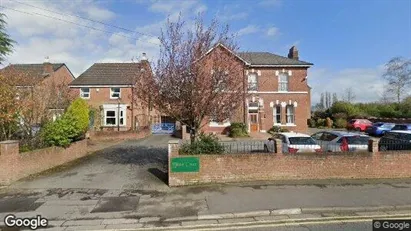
<point>254,122</point>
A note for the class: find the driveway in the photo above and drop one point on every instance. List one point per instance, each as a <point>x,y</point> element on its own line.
<point>140,164</point>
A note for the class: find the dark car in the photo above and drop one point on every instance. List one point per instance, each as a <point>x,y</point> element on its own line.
<point>379,128</point>
<point>402,127</point>
<point>395,140</point>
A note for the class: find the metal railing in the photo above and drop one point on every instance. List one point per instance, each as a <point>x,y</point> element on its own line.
<point>394,145</point>
<point>241,147</point>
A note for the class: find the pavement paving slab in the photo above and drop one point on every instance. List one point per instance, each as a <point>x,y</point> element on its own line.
<point>115,204</point>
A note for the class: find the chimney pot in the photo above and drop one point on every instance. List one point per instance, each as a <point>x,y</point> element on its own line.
<point>47,66</point>
<point>144,57</point>
<point>293,53</point>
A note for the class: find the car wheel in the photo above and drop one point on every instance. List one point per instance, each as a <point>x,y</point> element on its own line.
<point>383,148</point>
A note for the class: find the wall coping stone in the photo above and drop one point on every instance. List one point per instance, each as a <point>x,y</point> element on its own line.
<point>9,142</point>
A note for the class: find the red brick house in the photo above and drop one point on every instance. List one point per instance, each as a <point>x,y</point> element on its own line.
<point>109,89</point>
<point>46,84</point>
<point>278,93</point>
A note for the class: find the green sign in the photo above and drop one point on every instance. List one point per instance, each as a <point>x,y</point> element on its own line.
<point>185,164</point>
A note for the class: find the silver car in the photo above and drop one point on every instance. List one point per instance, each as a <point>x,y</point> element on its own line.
<point>293,143</point>
<point>341,141</point>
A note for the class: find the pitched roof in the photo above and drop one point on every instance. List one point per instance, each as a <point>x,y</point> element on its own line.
<point>30,73</point>
<point>35,70</point>
<point>267,58</point>
<point>108,74</point>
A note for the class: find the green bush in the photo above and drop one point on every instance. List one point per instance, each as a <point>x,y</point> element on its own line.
<point>274,130</point>
<point>61,132</point>
<point>205,144</point>
<point>70,127</point>
<point>79,110</point>
<point>238,130</point>
<point>320,123</point>
<point>311,123</point>
<point>340,123</point>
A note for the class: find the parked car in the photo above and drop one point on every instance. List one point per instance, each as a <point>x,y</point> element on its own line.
<point>395,140</point>
<point>358,124</point>
<point>379,128</point>
<point>402,127</point>
<point>293,143</point>
<point>340,141</point>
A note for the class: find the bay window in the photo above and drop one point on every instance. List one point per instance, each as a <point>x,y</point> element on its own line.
<point>114,115</point>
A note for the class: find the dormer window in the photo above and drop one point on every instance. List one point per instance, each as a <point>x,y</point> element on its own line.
<point>282,82</point>
<point>115,93</point>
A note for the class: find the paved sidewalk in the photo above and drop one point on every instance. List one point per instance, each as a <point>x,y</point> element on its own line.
<point>230,220</point>
<point>136,208</point>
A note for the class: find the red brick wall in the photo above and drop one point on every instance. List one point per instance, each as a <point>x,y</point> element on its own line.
<point>102,96</point>
<point>122,135</point>
<point>256,167</point>
<point>14,166</point>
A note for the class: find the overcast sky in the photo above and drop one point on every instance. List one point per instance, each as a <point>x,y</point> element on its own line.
<point>348,41</point>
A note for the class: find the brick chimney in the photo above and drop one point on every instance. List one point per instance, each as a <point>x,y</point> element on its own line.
<point>293,53</point>
<point>47,66</point>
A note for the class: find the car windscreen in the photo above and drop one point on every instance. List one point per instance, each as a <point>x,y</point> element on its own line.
<point>377,124</point>
<point>301,140</point>
<point>387,125</point>
<point>360,140</point>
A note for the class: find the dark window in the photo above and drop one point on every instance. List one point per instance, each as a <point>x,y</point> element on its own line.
<point>328,136</point>
<point>399,127</point>
<point>110,113</point>
<point>362,140</point>
<point>301,140</point>
<point>317,136</point>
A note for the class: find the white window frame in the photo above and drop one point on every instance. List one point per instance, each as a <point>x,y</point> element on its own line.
<point>115,109</point>
<point>252,82</point>
<point>275,113</point>
<point>282,82</point>
<point>290,114</point>
<point>113,92</point>
<point>83,93</point>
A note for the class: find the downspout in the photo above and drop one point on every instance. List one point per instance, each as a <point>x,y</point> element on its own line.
<point>244,95</point>
<point>132,109</point>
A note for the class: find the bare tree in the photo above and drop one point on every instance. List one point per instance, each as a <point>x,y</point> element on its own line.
<point>348,95</point>
<point>335,98</point>
<point>398,75</point>
<point>197,76</point>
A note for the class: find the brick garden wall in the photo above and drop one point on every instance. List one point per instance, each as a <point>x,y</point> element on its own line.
<point>15,165</point>
<point>277,166</point>
<point>119,135</point>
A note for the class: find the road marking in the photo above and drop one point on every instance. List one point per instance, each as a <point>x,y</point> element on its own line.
<point>290,224</point>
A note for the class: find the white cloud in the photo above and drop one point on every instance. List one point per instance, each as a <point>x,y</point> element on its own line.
<point>250,29</point>
<point>232,13</point>
<point>273,31</point>
<point>169,7</point>
<point>366,83</point>
<point>97,13</point>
